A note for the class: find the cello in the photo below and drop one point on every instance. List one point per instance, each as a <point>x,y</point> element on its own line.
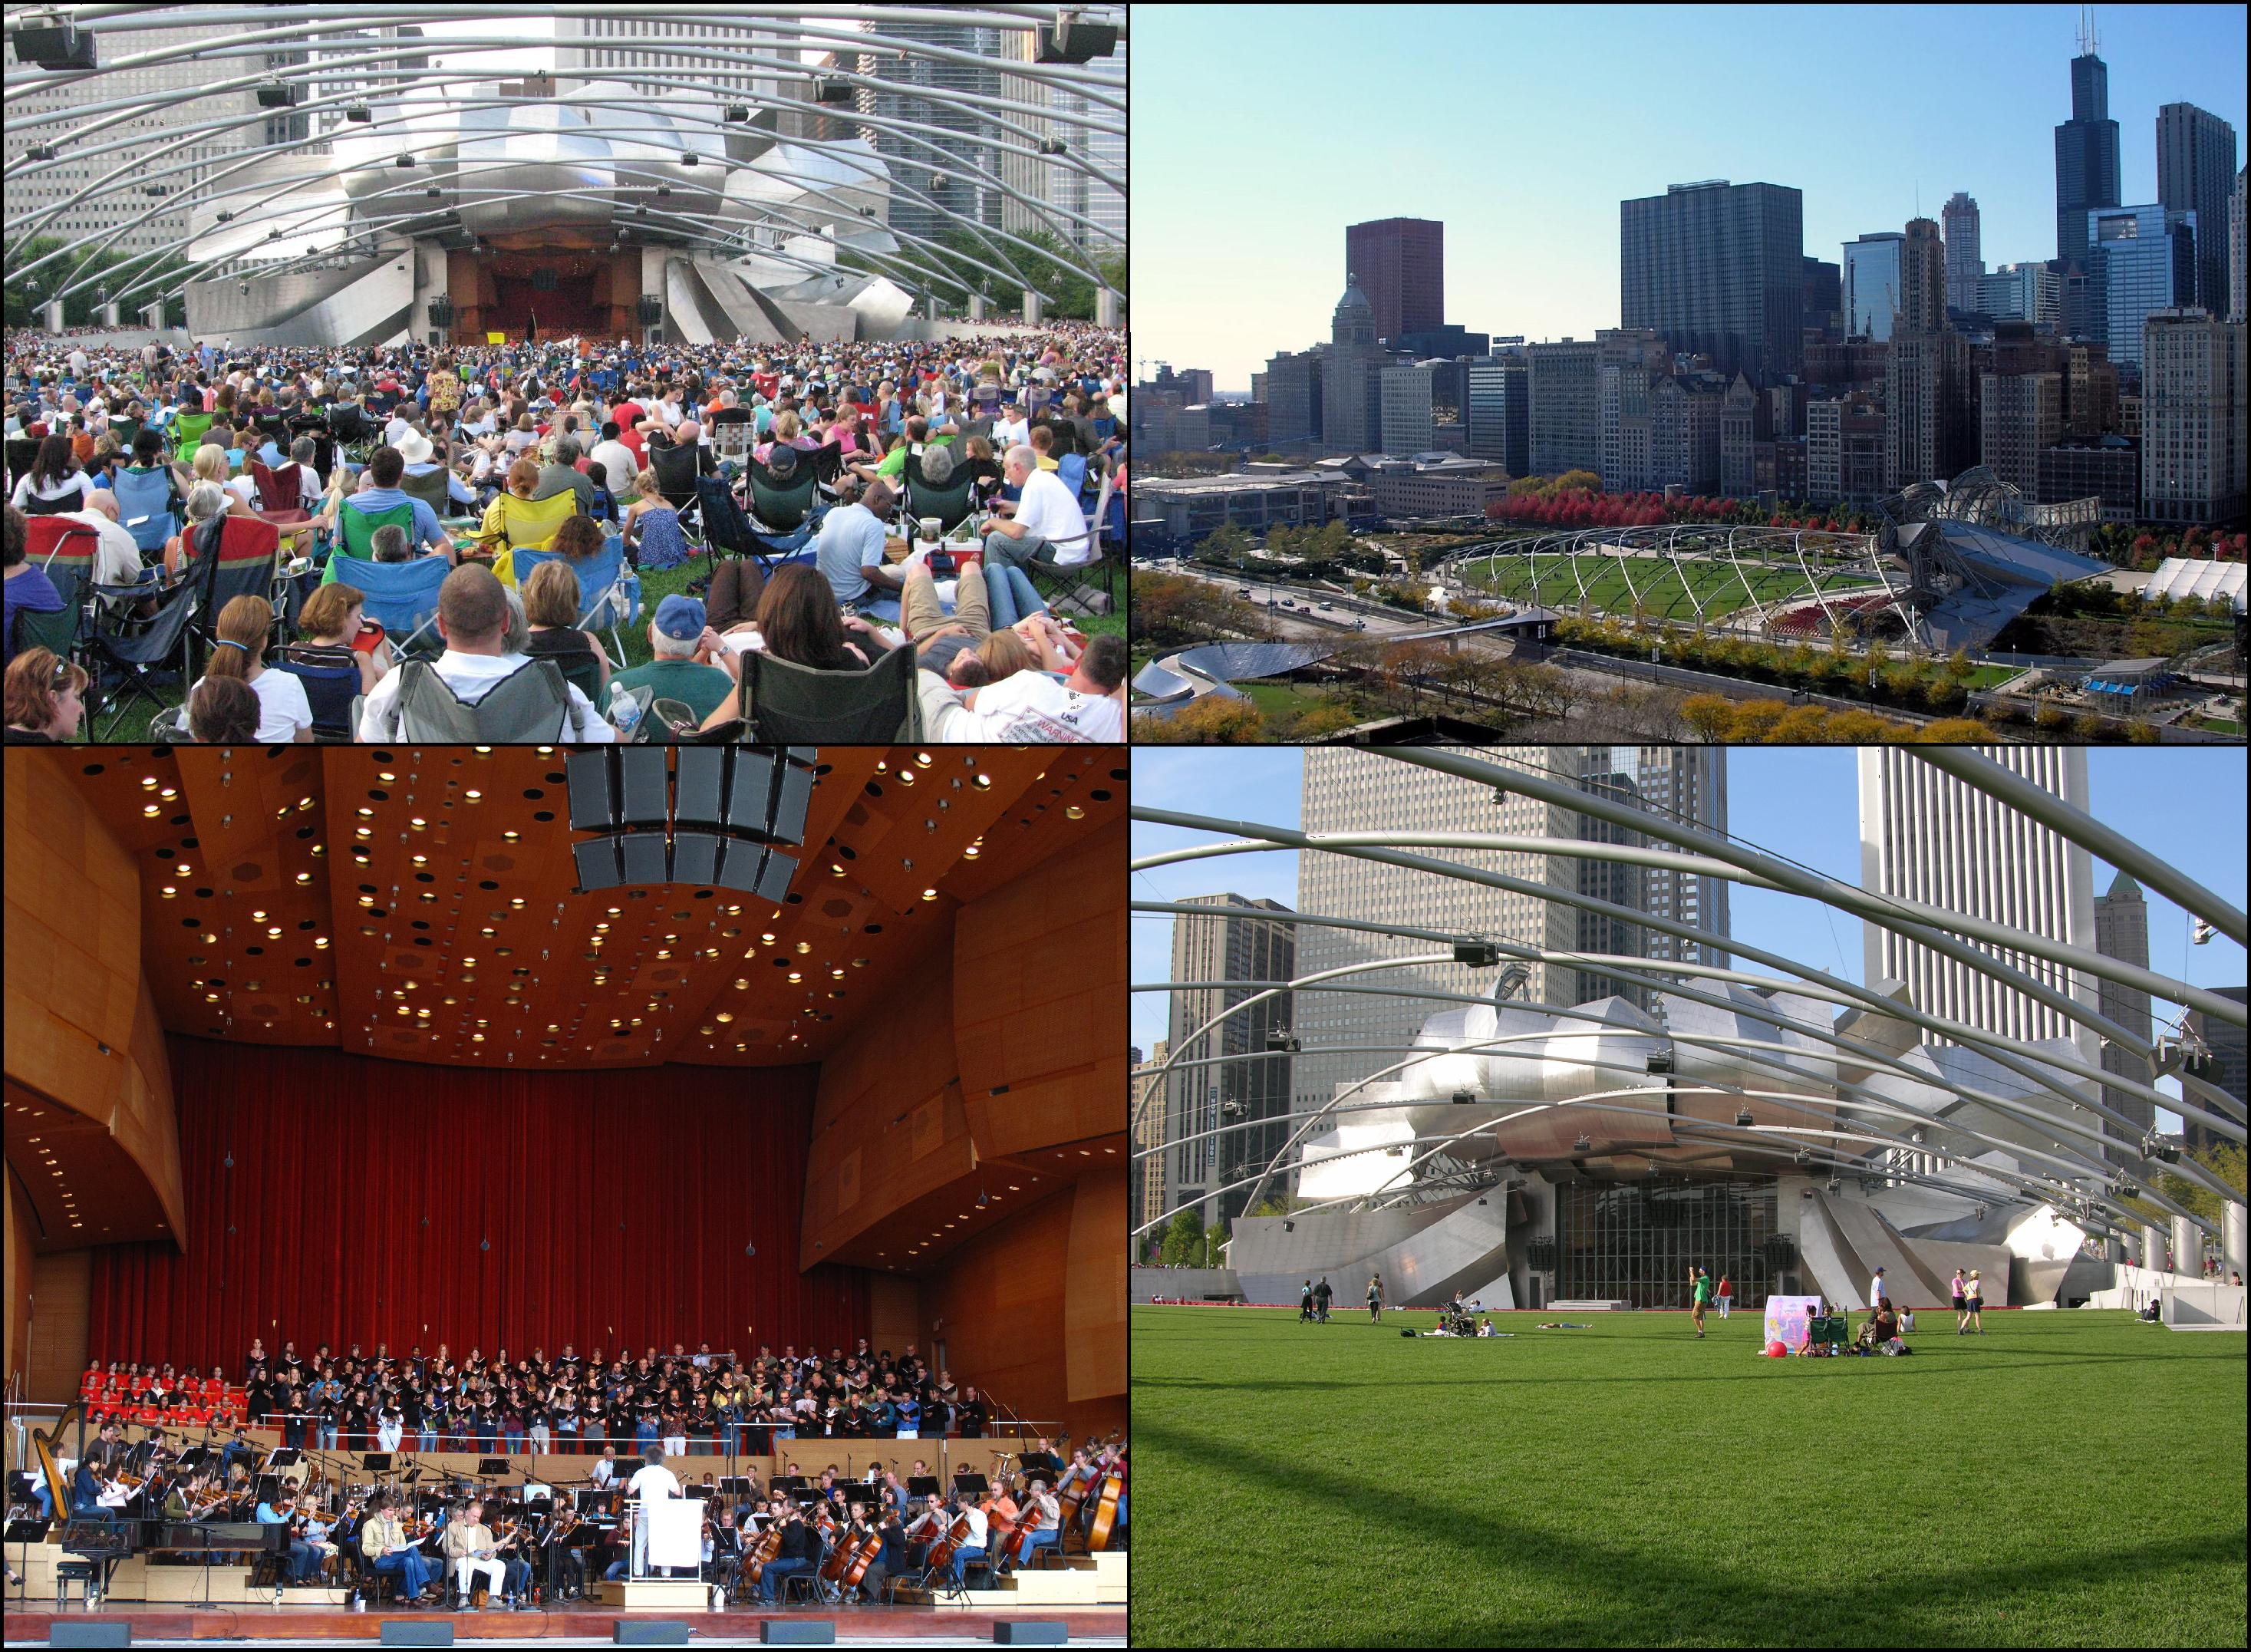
<point>1105,1508</point>
<point>870,1546</point>
<point>768,1547</point>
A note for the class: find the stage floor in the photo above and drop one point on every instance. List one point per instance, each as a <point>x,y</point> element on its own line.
<point>918,1627</point>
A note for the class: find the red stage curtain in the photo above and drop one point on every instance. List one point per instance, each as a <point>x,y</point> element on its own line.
<point>617,1206</point>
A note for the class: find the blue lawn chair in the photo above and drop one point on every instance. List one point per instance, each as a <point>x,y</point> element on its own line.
<point>402,597</point>
<point>609,591</point>
<point>144,505</point>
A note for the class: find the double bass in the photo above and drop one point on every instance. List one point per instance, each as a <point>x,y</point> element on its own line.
<point>1105,1508</point>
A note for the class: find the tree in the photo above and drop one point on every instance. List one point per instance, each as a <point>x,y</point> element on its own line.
<point>1709,715</point>
<point>1214,721</point>
<point>1579,482</point>
<point>1954,731</point>
<point>1184,1238</point>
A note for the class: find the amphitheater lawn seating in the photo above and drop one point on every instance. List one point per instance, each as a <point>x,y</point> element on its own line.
<point>1628,1485</point>
<point>1663,594</point>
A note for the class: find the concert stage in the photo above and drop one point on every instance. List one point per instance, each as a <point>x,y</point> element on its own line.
<point>30,1623</point>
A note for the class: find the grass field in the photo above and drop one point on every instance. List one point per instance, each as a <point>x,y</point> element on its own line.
<point>2071,1478</point>
<point>1660,584</point>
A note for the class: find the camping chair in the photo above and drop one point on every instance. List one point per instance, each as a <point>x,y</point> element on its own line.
<point>726,528</point>
<point>65,550</point>
<point>331,680</point>
<point>21,450</point>
<point>188,432</point>
<point>231,556</point>
<point>531,705</point>
<point>137,645</point>
<point>125,430</point>
<point>1070,470</point>
<point>781,504</point>
<point>827,466</point>
<point>280,499</point>
<point>609,593</point>
<point>402,597</point>
<point>788,704</point>
<point>951,504</point>
<point>676,478</point>
<point>526,523</point>
<point>433,489</point>
<point>144,505</point>
<point>356,528</point>
<point>733,432</point>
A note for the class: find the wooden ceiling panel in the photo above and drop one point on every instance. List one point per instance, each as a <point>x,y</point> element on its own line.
<point>419,902</point>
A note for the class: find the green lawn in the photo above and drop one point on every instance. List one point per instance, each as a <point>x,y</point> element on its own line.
<point>2070,1478</point>
<point>1658,584</point>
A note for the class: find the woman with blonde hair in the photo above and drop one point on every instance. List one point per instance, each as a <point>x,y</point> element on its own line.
<point>243,625</point>
<point>652,534</point>
<point>551,608</point>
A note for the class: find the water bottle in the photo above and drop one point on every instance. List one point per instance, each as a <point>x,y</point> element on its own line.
<point>625,713</point>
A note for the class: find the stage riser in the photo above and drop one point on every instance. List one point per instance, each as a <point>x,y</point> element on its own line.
<point>290,1626</point>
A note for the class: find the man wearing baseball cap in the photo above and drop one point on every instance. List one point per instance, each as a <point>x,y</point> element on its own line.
<point>684,647</point>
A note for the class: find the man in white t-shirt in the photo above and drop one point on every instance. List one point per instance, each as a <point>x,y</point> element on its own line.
<point>472,618</point>
<point>1031,707</point>
<point>1048,527</point>
<point>650,1483</point>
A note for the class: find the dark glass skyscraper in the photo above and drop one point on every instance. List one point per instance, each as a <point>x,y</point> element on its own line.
<point>1401,264</point>
<point>2196,170</point>
<point>1718,268</point>
<point>2086,154</point>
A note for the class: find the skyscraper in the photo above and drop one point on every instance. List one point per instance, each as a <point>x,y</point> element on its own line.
<point>1405,394</point>
<point>2226,1065</point>
<point>1926,375</point>
<point>1500,413</point>
<point>2019,292</point>
<point>1630,360</point>
<point>2122,930</point>
<point>1352,407</point>
<point>1927,836</point>
<point>1347,790</point>
<point>1145,1192</point>
<point>935,187</point>
<point>2236,309</point>
<point>1077,120</point>
<point>2193,410</point>
<point>1293,398</point>
<point>1718,268</point>
<point>1871,284</point>
<point>1964,262</point>
<point>2018,414</point>
<point>1565,384</point>
<point>1234,944</point>
<point>2086,152</point>
<point>2143,260</point>
<point>1401,264</point>
<point>1823,310</point>
<point>2196,170</point>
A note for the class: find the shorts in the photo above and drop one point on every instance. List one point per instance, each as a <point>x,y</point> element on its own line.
<point>1961,1304</point>
<point>1975,1305</point>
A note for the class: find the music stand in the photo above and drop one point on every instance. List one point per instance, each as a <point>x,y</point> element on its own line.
<point>285,1457</point>
<point>492,1468</point>
<point>735,1485</point>
<point>924,1486</point>
<point>376,1462</point>
<point>975,1484</point>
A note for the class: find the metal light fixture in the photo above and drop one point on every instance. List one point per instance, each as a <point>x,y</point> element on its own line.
<point>1743,1117</point>
<point>1462,1097</point>
<point>358,113</point>
<point>1583,1145</point>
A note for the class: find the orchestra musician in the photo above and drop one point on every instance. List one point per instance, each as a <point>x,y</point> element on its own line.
<point>472,1548</point>
<point>383,1541</point>
<point>800,1549</point>
<point>559,1541</point>
<point>723,1549</point>
<point>972,1543</point>
<point>1047,1533</point>
<point>606,1471</point>
<point>303,1564</point>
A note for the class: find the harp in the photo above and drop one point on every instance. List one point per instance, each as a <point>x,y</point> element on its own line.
<point>45,1446</point>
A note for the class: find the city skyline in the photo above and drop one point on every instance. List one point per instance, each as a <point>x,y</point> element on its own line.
<point>1801,804</point>
<point>1533,248</point>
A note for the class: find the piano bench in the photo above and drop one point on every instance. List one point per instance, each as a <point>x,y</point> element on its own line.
<point>85,1573</point>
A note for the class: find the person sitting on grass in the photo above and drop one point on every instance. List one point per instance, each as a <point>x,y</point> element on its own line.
<point>29,590</point>
<point>652,534</point>
<point>47,699</point>
<point>684,669</point>
<point>224,710</point>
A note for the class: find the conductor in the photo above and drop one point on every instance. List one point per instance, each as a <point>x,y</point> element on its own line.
<point>650,1481</point>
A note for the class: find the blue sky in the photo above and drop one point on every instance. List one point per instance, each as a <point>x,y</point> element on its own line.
<point>2187,804</point>
<point>1259,132</point>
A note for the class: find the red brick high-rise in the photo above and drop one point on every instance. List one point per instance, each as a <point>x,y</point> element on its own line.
<point>1401,264</point>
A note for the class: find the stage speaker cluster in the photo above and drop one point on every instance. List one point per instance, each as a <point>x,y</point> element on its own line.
<point>1075,40</point>
<point>719,817</point>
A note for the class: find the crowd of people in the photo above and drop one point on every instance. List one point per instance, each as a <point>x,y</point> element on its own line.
<point>688,1403</point>
<point>589,452</point>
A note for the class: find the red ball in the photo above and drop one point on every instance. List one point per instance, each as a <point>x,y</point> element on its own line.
<point>1775,1350</point>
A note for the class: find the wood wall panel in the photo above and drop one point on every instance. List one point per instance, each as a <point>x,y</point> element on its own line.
<point>894,1312</point>
<point>83,1030</point>
<point>19,1276</point>
<point>1040,1001</point>
<point>1094,1287</point>
<point>61,1296</point>
<point>888,1126</point>
<point>1000,1300</point>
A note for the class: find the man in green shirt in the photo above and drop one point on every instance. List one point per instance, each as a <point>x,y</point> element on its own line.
<point>680,670</point>
<point>1702,1283</point>
<point>919,437</point>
